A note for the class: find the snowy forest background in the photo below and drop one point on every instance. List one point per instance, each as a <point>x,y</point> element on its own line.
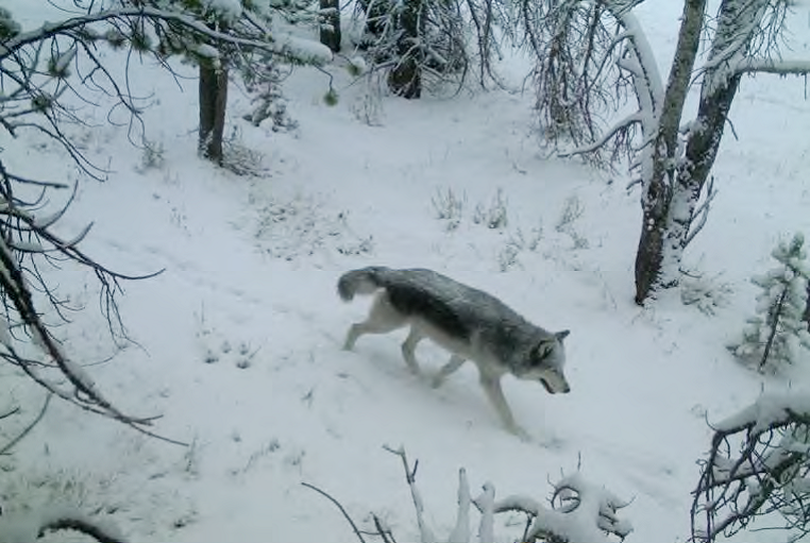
<point>183,181</point>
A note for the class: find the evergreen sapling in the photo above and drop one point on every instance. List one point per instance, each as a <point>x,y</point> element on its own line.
<point>777,334</point>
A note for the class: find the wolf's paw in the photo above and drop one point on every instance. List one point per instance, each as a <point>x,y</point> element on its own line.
<point>437,381</point>
<point>521,433</point>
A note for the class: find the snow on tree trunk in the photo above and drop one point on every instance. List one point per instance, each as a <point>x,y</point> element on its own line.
<point>658,255</point>
<point>777,334</point>
<point>806,316</point>
<point>213,90</point>
<point>666,228</point>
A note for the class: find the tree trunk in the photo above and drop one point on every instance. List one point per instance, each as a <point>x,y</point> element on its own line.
<point>330,25</point>
<point>806,316</point>
<point>652,270</point>
<point>213,91</point>
<point>738,24</point>
<point>405,78</point>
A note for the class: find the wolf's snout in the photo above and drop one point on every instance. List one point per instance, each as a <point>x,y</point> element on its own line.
<point>555,386</point>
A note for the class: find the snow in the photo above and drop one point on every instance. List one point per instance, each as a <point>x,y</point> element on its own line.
<point>237,343</point>
<point>768,409</point>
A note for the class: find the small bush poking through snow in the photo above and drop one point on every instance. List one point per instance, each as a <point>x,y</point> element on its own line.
<point>777,335</point>
<point>571,213</point>
<point>495,216</point>
<point>241,159</point>
<point>707,294</point>
<point>449,208</point>
<point>153,156</point>
<point>304,227</point>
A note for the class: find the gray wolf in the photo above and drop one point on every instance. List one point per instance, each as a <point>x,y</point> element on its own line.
<point>469,323</point>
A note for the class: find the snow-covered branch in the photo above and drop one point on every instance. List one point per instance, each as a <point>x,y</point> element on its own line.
<point>580,512</point>
<point>592,57</point>
<point>624,125</point>
<point>701,213</point>
<point>758,465</point>
<point>15,280</point>
<point>772,66</point>
<point>283,44</point>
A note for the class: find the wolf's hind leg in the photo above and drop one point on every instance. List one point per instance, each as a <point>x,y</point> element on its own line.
<point>382,318</point>
<point>409,349</point>
<point>455,363</point>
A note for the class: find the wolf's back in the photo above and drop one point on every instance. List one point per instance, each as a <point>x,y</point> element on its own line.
<point>362,281</point>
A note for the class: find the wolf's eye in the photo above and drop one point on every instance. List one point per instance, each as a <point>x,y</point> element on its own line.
<point>542,351</point>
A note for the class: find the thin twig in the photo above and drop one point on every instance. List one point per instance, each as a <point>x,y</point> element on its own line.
<point>8,446</point>
<point>340,507</point>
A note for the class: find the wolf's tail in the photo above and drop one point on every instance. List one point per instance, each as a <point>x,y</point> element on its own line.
<point>363,281</point>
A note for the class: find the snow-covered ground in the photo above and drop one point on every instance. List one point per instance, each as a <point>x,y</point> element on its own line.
<point>238,341</point>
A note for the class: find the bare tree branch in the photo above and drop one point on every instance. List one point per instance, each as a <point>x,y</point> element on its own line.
<point>340,507</point>
<point>10,445</point>
<point>755,467</point>
<point>771,66</point>
<point>425,533</point>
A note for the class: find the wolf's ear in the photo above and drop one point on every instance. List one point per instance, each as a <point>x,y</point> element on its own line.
<point>562,335</point>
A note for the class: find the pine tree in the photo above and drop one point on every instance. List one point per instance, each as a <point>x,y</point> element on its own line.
<point>249,23</point>
<point>777,334</point>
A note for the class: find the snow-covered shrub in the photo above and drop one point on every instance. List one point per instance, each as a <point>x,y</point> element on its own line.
<point>305,226</point>
<point>707,294</point>
<point>449,207</point>
<point>777,335</point>
<point>495,216</point>
<point>368,107</point>
<point>241,159</point>
<point>517,243</point>
<point>571,213</point>
<point>268,99</point>
<point>153,156</point>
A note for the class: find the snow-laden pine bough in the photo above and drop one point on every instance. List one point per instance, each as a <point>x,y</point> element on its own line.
<point>778,336</point>
<point>757,469</point>
<point>580,512</point>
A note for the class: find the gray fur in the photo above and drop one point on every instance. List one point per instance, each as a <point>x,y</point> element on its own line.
<point>468,322</point>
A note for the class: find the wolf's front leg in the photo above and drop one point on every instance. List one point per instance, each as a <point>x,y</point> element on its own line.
<point>355,330</point>
<point>409,349</point>
<point>492,387</point>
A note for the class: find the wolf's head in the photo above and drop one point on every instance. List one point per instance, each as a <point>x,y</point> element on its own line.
<point>546,361</point>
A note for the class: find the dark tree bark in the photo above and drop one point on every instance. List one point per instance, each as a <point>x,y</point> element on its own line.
<point>330,26</point>
<point>806,316</point>
<point>405,78</point>
<point>656,201</point>
<point>671,232</point>
<point>213,90</point>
